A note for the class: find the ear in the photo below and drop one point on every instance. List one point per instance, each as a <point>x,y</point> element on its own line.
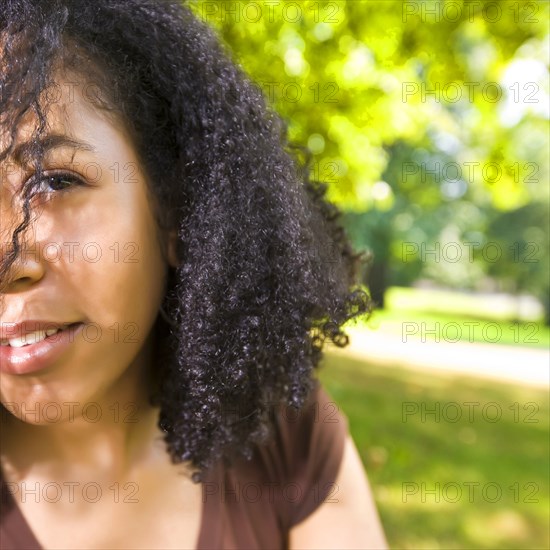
<point>172,248</point>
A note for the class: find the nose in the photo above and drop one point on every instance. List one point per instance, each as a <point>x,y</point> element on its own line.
<point>25,270</point>
<point>19,273</point>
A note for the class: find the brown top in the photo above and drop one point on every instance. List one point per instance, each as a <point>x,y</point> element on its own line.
<point>254,503</point>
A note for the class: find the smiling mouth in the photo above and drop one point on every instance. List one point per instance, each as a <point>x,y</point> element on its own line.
<point>34,337</point>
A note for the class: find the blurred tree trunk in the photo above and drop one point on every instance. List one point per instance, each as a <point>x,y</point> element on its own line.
<point>377,281</point>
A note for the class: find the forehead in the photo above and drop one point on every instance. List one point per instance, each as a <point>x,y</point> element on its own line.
<point>69,107</point>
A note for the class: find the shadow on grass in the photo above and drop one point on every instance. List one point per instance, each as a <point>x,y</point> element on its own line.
<point>454,462</point>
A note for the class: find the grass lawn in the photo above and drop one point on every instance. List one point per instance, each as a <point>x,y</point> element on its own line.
<point>428,327</point>
<point>452,316</point>
<point>473,473</point>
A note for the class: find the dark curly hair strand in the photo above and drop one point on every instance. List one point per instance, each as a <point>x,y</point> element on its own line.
<point>266,273</point>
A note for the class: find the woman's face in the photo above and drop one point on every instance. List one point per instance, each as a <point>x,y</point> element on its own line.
<point>92,256</point>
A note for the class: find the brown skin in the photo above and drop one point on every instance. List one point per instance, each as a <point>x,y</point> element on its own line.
<point>105,372</point>
<point>168,510</point>
<point>352,521</point>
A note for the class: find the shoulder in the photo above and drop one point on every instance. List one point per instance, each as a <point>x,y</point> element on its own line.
<point>255,503</point>
<point>333,505</point>
<point>348,517</point>
<point>311,448</point>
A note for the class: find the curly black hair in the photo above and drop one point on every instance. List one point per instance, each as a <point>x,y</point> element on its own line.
<point>266,271</point>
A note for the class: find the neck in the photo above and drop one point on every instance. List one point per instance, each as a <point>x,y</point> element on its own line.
<point>112,434</point>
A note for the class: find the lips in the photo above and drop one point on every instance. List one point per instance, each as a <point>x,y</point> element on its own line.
<point>41,353</point>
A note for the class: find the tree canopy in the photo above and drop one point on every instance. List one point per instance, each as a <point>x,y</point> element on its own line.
<point>428,120</point>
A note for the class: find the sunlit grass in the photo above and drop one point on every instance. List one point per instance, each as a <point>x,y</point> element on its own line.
<point>403,445</point>
<point>465,304</point>
<point>450,327</point>
<point>452,317</point>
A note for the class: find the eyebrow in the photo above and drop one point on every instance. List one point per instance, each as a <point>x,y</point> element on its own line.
<point>49,142</point>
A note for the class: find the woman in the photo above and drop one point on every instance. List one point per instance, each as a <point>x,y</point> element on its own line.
<point>167,284</point>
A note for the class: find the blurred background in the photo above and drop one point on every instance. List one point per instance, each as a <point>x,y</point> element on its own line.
<point>428,120</point>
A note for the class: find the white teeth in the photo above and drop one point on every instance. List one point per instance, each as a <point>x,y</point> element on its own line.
<point>29,338</point>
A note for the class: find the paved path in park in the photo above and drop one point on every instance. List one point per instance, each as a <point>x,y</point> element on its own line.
<point>495,361</point>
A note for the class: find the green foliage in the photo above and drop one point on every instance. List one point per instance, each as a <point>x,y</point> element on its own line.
<point>428,119</point>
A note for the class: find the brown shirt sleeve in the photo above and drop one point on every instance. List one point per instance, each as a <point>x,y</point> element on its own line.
<point>313,445</point>
<point>255,504</point>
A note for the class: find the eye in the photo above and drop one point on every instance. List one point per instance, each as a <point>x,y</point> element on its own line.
<point>58,183</point>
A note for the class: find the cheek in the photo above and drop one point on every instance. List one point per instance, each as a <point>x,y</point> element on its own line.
<point>115,281</point>
<point>117,270</point>
<point>131,268</point>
